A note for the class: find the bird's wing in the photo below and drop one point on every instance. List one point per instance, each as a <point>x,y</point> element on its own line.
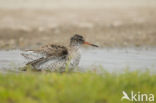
<point>45,53</point>
<point>54,50</point>
<point>44,63</point>
<point>31,55</point>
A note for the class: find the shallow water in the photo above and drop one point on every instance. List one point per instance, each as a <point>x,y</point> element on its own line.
<point>117,59</point>
<point>111,59</point>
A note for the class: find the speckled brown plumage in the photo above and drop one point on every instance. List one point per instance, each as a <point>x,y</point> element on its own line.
<point>56,57</point>
<point>53,50</point>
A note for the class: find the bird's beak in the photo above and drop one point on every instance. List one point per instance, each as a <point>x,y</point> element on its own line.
<point>90,44</point>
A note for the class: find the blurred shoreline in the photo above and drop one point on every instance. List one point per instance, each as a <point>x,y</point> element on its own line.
<point>108,23</point>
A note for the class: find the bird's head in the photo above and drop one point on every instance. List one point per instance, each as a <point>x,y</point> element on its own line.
<point>78,40</point>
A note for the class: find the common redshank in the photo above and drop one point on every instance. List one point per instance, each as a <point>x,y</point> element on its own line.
<point>55,57</point>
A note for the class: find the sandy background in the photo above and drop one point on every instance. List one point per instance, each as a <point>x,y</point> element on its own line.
<point>111,23</point>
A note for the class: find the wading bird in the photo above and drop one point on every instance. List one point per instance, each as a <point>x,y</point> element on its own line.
<point>55,57</point>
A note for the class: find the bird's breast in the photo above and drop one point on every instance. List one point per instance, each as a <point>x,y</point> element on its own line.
<point>74,59</point>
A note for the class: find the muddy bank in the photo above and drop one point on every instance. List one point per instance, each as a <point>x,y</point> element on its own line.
<point>123,24</point>
<point>120,36</point>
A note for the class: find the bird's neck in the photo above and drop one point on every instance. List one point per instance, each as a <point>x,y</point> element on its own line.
<point>74,55</point>
<point>74,51</point>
